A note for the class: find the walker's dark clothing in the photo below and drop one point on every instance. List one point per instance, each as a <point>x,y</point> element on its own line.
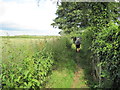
<point>78,46</point>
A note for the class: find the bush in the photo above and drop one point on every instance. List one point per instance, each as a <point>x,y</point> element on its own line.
<point>107,48</point>
<point>87,37</point>
<point>30,73</point>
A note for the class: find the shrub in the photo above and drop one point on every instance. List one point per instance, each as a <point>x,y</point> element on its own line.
<point>107,48</point>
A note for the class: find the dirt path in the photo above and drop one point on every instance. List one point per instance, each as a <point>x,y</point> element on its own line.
<point>78,79</point>
<point>69,73</point>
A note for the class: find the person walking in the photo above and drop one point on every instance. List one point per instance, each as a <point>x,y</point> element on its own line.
<point>77,43</point>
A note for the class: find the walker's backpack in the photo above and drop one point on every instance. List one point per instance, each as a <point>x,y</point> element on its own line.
<point>77,42</point>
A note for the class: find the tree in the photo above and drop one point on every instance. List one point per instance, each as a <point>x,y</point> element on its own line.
<point>74,15</point>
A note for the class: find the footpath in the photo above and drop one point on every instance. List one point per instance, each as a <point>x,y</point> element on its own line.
<point>72,71</point>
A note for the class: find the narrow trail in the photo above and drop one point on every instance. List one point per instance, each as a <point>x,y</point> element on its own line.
<point>70,73</point>
<point>78,79</point>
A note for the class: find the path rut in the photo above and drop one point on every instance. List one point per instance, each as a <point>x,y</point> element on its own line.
<point>78,79</point>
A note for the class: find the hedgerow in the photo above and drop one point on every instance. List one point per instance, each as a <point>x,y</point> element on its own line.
<point>106,47</point>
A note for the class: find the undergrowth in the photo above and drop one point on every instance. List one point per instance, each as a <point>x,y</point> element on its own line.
<point>26,65</point>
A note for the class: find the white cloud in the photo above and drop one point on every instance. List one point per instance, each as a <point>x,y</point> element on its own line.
<point>28,15</point>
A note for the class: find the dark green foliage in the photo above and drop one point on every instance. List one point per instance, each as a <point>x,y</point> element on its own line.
<point>74,15</point>
<point>71,16</point>
<point>107,48</point>
<point>87,38</point>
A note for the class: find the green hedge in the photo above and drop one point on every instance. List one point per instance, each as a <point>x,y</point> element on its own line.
<point>107,48</point>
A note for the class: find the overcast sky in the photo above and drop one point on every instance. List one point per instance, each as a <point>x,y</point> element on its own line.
<point>24,17</point>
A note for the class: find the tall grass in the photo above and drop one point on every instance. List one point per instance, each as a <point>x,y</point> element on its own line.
<point>27,62</point>
<point>63,70</point>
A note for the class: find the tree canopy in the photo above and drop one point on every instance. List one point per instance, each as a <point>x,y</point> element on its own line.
<point>71,16</point>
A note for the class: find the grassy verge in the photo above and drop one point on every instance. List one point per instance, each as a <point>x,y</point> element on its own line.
<point>63,73</point>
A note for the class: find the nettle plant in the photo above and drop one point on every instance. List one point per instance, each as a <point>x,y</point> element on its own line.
<point>30,73</point>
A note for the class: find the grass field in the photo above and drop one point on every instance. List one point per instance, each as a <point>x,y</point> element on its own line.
<point>41,62</point>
